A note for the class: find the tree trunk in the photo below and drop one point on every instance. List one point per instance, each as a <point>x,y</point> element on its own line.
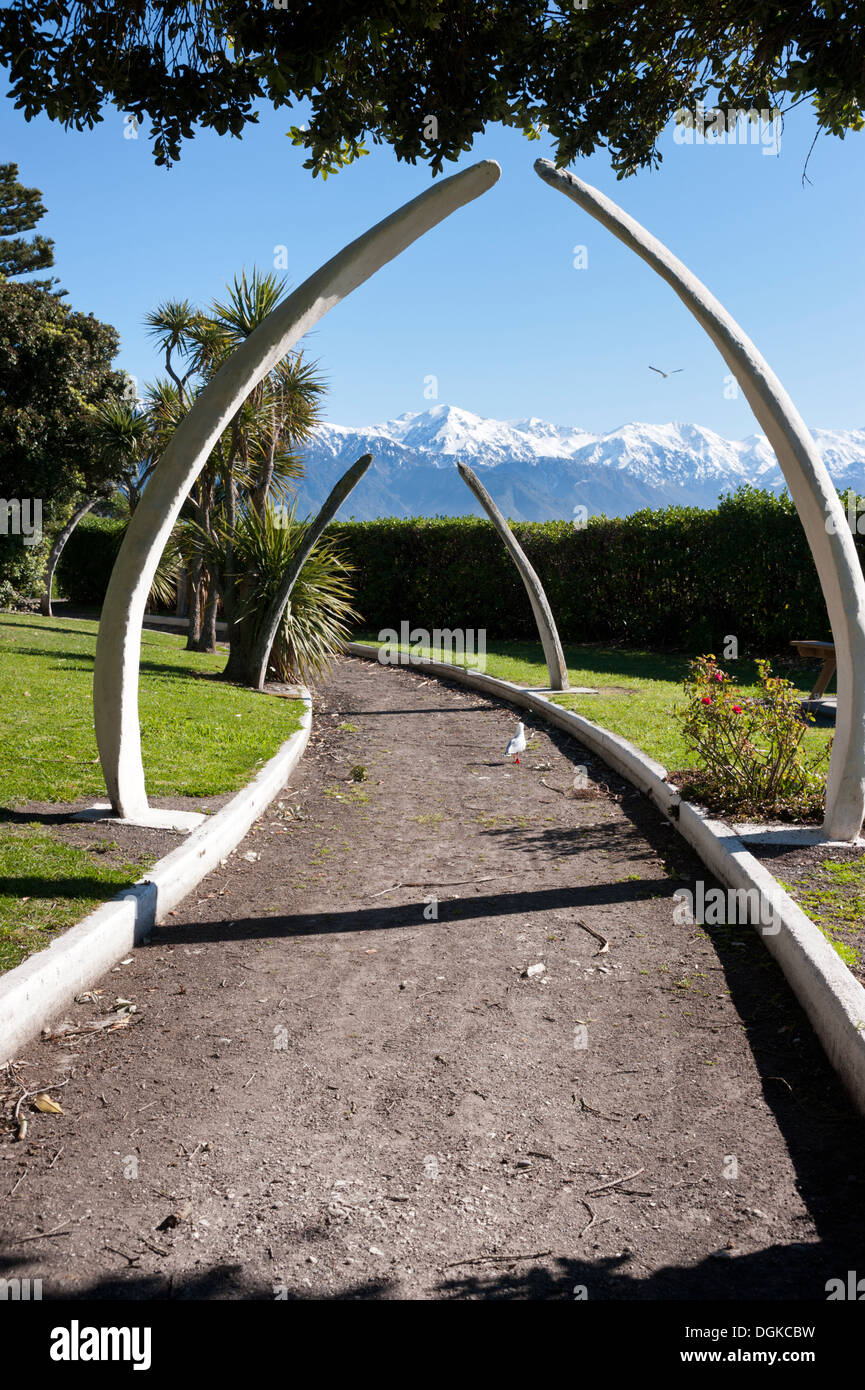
<point>57,551</point>
<point>180,606</point>
<point>241,635</point>
<point>193,628</point>
<point>235,668</point>
<point>207,640</point>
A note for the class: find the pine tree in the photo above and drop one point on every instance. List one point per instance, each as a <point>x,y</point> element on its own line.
<point>20,210</point>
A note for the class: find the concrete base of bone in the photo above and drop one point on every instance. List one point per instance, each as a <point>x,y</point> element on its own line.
<point>824,711</point>
<point>154,818</point>
<point>572,690</point>
<point>756,835</point>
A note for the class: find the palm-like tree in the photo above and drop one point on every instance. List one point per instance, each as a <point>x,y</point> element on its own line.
<point>259,463</point>
<point>253,468</point>
<point>174,323</point>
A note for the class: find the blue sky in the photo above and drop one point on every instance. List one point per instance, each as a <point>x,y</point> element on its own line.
<point>489,303</point>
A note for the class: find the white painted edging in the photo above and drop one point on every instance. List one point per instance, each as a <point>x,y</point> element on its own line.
<point>831,996</point>
<point>46,983</point>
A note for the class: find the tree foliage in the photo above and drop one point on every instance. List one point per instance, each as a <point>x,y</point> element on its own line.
<point>55,371</point>
<point>253,464</point>
<point>429,76</point>
<point>20,210</point>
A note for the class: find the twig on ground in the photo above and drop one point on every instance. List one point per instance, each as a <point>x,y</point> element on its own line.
<point>28,1095</point>
<point>782,1079</point>
<point>433,883</point>
<point>605,945</point>
<point>508,1259</point>
<point>133,1259</point>
<point>561,790</point>
<point>615,1183</point>
<point>155,1248</point>
<point>44,1235</point>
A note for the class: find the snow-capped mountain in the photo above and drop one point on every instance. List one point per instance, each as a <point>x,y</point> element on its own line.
<point>537,471</point>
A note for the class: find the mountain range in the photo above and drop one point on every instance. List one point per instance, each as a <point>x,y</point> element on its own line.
<point>537,471</point>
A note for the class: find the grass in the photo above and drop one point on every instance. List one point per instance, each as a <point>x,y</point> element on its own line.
<point>200,737</point>
<point>636,690</point>
<point>833,895</point>
<point>47,886</point>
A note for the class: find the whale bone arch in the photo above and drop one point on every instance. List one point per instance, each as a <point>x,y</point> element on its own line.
<point>553,655</point>
<point>118,647</point>
<point>807,477</point>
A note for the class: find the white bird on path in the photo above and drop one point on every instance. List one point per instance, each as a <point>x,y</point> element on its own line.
<point>517,744</point>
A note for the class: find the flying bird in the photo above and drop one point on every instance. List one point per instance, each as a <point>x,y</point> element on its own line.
<point>665,374</point>
<point>517,744</point>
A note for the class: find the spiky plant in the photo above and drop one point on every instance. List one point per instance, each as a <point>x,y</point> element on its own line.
<point>319,615</point>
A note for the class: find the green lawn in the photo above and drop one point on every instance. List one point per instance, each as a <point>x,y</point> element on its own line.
<point>200,737</point>
<point>46,886</point>
<point>833,895</point>
<point>636,690</point>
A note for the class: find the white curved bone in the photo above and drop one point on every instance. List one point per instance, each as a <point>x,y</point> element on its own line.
<point>549,633</point>
<point>811,488</point>
<point>115,677</point>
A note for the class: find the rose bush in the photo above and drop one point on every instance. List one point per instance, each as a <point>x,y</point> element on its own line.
<point>752,758</point>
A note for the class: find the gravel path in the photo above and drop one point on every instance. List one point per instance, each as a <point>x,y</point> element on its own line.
<point>341,1083</point>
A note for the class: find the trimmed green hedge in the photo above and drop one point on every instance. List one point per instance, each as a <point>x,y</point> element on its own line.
<point>87,560</point>
<point>681,578</point>
<point>677,578</point>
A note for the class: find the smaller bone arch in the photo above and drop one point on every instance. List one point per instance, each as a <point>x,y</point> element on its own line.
<point>553,654</point>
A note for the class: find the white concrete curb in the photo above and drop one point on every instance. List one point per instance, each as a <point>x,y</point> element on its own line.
<point>45,983</point>
<point>831,996</point>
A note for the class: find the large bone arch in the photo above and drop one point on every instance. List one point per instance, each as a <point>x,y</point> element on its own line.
<point>118,649</point>
<point>811,488</point>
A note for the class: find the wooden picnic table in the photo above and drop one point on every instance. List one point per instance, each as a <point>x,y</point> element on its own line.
<point>818,651</point>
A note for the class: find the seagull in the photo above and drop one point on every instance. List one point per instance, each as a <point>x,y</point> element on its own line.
<point>517,744</point>
<point>665,374</point>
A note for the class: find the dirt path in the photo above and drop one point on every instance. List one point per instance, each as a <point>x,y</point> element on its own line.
<point>343,1095</point>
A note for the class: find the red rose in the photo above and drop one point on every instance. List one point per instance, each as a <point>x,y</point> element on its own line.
<point>737,709</point>
<point>718,676</point>
<point>706,700</point>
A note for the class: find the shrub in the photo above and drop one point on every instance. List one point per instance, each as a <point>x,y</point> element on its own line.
<point>85,565</point>
<point>319,614</point>
<point>750,748</point>
<point>21,569</point>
